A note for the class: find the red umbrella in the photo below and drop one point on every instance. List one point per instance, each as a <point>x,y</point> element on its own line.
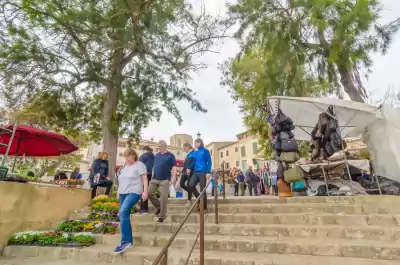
<point>30,141</point>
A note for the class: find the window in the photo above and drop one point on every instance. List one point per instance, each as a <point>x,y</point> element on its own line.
<point>244,164</point>
<point>236,149</point>
<point>210,153</point>
<point>179,143</point>
<point>243,151</point>
<point>227,165</point>
<point>222,154</point>
<point>237,163</point>
<point>121,144</point>
<point>227,153</point>
<point>255,148</point>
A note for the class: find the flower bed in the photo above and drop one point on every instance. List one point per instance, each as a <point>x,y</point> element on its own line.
<point>104,199</point>
<point>71,183</point>
<point>104,211</point>
<point>87,226</point>
<point>52,239</point>
<point>105,208</point>
<point>15,179</point>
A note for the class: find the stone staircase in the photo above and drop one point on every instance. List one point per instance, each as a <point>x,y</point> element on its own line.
<point>252,231</point>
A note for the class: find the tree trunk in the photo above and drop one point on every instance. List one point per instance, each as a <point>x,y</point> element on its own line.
<point>111,120</point>
<point>346,78</point>
<point>110,130</point>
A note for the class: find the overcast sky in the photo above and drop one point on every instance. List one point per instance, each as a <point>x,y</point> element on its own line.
<point>223,121</point>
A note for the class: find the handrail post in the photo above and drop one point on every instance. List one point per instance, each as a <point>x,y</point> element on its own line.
<point>223,185</point>
<point>201,230</point>
<point>216,198</point>
<point>164,260</point>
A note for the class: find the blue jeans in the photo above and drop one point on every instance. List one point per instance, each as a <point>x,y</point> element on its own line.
<point>127,202</point>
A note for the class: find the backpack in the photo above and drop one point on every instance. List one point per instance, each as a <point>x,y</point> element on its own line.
<point>289,145</point>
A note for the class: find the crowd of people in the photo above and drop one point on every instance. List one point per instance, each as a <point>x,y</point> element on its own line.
<point>140,178</point>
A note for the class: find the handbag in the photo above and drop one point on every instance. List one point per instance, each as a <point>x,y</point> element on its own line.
<point>289,157</point>
<point>293,174</point>
<point>298,186</point>
<point>289,145</point>
<point>284,189</point>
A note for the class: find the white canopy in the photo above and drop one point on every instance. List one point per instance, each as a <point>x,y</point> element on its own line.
<point>379,126</point>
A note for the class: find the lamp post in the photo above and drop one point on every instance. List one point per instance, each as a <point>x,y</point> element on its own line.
<point>198,135</point>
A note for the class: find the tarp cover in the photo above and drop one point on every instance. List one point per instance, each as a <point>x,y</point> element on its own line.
<point>379,126</point>
<point>360,164</point>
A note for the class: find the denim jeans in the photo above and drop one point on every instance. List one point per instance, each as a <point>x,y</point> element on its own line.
<point>127,202</point>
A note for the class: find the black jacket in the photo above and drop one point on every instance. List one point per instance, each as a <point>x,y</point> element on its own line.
<point>188,163</point>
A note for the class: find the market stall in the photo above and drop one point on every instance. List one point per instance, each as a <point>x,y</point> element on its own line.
<point>379,127</point>
<point>331,171</point>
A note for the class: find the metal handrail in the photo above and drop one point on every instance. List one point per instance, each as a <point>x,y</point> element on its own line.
<point>163,255</point>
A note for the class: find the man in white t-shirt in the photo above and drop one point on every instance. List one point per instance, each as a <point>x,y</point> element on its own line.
<point>132,186</point>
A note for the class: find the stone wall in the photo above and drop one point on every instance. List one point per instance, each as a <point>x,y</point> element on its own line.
<point>25,207</point>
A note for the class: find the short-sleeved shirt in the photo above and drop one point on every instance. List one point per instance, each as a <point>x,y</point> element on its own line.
<point>163,164</point>
<point>130,180</point>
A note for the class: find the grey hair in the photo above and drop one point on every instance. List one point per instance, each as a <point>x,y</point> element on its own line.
<point>199,140</point>
<point>162,142</point>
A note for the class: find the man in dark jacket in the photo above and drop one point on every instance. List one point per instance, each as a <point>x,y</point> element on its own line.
<point>187,171</point>
<point>253,181</point>
<point>147,158</point>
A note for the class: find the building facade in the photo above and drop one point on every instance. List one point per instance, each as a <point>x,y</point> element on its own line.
<point>241,154</point>
<point>213,148</point>
<point>176,147</point>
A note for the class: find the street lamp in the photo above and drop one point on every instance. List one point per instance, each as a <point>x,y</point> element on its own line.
<point>198,135</point>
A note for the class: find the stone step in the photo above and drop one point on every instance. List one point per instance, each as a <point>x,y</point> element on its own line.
<point>282,208</point>
<point>99,255</point>
<point>365,199</point>
<point>355,248</point>
<point>295,208</point>
<point>300,231</point>
<point>382,220</point>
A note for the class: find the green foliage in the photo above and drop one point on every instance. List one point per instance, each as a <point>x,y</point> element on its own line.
<point>301,48</point>
<point>80,226</point>
<point>332,40</point>
<point>252,77</point>
<point>50,238</point>
<point>107,67</point>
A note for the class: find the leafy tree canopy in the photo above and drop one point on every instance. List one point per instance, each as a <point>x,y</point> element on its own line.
<point>333,39</point>
<point>301,48</point>
<point>253,76</point>
<point>105,66</point>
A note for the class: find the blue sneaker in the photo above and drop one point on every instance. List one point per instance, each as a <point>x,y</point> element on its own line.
<point>121,248</point>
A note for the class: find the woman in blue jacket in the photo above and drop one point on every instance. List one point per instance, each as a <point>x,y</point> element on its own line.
<point>202,169</point>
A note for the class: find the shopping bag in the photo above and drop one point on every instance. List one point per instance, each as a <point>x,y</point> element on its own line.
<point>172,192</point>
<point>293,174</point>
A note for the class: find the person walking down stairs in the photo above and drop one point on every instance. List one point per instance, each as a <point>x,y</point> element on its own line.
<point>187,171</point>
<point>146,158</point>
<point>202,169</point>
<point>132,187</point>
<point>164,174</point>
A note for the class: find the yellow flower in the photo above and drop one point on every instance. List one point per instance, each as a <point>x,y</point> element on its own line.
<point>100,198</point>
